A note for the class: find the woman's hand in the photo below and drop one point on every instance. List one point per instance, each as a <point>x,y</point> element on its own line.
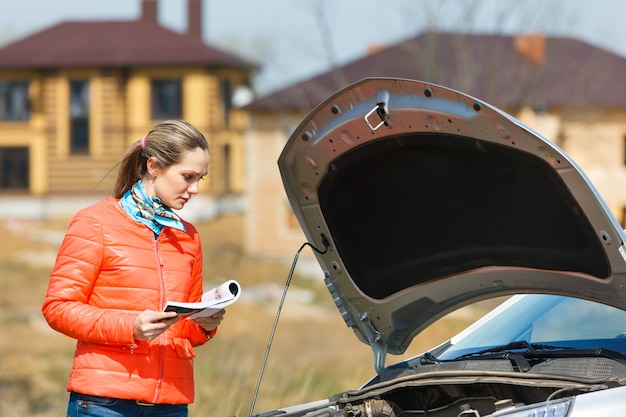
<point>150,324</point>
<point>211,322</point>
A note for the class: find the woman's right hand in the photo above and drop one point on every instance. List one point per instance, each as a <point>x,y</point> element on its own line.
<point>150,324</point>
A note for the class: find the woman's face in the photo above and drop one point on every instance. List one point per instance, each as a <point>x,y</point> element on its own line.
<point>175,184</point>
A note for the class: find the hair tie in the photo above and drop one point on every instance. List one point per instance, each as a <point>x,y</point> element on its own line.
<point>143,142</point>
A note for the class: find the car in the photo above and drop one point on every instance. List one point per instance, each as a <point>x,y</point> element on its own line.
<point>420,200</point>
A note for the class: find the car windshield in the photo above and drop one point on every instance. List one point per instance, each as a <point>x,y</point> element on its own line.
<point>547,320</point>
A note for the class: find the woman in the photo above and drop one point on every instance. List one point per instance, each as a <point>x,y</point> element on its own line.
<point>120,261</point>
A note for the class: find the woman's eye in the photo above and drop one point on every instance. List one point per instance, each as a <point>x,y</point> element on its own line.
<point>192,177</point>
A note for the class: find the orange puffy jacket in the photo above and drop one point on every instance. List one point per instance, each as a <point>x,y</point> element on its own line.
<point>108,269</point>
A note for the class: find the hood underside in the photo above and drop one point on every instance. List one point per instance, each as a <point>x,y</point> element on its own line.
<point>427,200</point>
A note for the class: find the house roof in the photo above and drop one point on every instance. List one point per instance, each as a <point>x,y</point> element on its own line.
<point>507,71</point>
<point>133,43</point>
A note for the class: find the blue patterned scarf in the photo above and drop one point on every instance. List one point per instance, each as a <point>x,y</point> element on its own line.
<point>149,210</point>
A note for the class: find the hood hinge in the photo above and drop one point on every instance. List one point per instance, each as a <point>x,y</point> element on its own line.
<point>376,341</point>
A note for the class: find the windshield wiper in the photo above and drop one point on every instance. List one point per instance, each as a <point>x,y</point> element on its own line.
<point>519,352</point>
<point>523,345</point>
<point>499,352</point>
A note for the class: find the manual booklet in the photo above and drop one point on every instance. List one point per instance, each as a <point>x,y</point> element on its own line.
<point>212,301</point>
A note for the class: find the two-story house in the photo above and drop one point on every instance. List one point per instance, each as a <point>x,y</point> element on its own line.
<point>74,96</point>
<point>570,91</point>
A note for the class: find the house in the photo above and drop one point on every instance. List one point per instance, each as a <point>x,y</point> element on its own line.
<point>74,96</point>
<point>571,92</point>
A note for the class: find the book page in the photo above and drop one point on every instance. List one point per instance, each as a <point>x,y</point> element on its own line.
<point>212,301</point>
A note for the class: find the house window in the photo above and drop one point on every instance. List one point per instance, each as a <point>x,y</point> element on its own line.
<point>227,163</point>
<point>167,99</point>
<point>79,117</point>
<point>14,100</point>
<point>227,100</point>
<point>14,168</point>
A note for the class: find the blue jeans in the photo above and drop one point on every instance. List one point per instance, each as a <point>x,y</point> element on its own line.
<point>82,405</point>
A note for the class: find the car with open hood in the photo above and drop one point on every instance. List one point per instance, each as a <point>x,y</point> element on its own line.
<point>420,200</point>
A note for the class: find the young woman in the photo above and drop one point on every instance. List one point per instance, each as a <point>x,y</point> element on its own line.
<point>120,261</point>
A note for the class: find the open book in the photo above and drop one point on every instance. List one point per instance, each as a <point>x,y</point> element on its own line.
<point>212,301</point>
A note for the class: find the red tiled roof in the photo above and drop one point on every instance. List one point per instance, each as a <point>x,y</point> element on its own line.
<point>557,72</point>
<point>140,42</point>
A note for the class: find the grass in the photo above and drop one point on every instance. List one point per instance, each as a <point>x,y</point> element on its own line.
<point>313,356</point>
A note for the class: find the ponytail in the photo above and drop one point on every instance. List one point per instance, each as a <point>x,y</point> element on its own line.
<point>132,168</point>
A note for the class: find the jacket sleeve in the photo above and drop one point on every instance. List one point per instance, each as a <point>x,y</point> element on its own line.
<point>195,333</point>
<point>66,306</point>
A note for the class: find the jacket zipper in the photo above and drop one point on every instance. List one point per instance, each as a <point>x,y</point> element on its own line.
<point>162,302</point>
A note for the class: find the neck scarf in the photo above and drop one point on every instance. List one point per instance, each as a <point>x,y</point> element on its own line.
<point>149,210</point>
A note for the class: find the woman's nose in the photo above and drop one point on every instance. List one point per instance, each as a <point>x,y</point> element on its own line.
<point>193,188</point>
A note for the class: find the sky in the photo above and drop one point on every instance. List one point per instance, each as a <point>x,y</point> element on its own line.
<point>292,40</point>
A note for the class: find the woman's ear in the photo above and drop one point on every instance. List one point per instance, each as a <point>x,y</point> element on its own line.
<point>152,166</point>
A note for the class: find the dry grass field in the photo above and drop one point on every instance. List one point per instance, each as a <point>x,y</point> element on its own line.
<point>313,354</point>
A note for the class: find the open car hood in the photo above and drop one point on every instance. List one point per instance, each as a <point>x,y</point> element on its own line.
<point>424,200</point>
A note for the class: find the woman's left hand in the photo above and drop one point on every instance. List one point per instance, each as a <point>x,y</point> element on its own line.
<point>211,322</point>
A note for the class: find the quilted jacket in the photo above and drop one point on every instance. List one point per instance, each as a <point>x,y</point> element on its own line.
<point>108,269</point>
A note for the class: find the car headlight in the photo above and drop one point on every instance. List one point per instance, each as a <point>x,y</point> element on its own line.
<point>556,408</point>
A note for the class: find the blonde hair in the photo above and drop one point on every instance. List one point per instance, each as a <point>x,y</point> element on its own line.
<point>166,142</point>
